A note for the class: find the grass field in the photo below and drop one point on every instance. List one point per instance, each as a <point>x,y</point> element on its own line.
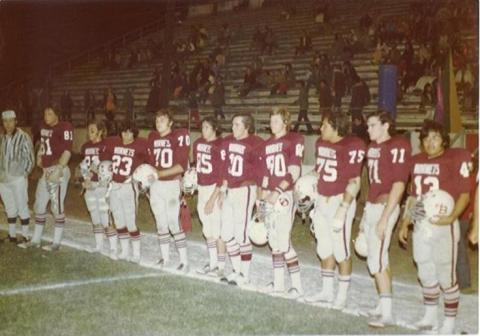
<point>73,292</point>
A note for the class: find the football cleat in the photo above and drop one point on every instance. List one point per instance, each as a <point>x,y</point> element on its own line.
<point>29,244</point>
<point>113,255</point>
<point>294,293</point>
<point>270,289</point>
<point>135,259</point>
<point>23,239</point>
<point>375,312</point>
<point>427,324</point>
<point>325,298</point>
<point>382,322</point>
<point>339,303</point>
<point>12,239</point>
<point>184,268</point>
<point>51,247</point>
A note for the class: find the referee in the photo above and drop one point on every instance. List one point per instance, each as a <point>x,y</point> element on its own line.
<point>16,163</point>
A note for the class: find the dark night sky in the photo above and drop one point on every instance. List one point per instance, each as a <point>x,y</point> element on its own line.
<point>38,33</point>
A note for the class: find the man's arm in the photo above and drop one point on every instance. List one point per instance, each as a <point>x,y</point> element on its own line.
<point>175,170</point>
<point>394,197</point>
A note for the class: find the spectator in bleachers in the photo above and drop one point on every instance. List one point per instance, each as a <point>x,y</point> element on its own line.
<point>312,77</point>
<point>350,76</point>
<point>249,82</point>
<point>258,40</point>
<point>427,103</point>
<point>324,97</point>
<point>360,96</point>
<point>224,36</point>
<point>271,42</point>
<point>217,97</point>
<point>325,71</point>
<point>110,104</point>
<point>129,102</point>
<point>66,105</point>
<point>380,52</point>
<point>302,102</point>
<point>359,127</point>
<point>153,101</point>
<point>305,43</point>
<point>132,58</point>
<point>365,22</point>
<point>338,87</point>
<point>202,37</point>
<point>89,104</point>
<point>287,79</point>
<point>337,48</point>
<point>193,107</point>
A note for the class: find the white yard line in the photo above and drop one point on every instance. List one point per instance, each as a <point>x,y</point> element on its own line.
<point>76,283</point>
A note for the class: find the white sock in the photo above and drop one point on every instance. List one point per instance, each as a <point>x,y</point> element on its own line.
<point>235,260</point>
<point>245,268</point>
<point>448,324</point>
<point>212,253</point>
<point>136,248</point>
<point>386,305</point>
<point>296,281</point>
<point>343,285</point>
<point>165,249</point>
<point>125,244</point>
<point>278,272</point>
<point>57,235</point>
<point>182,251</point>
<point>327,282</point>
<point>25,231</point>
<point>113,239</point>
<point>12,230</point>
<point>99,241</point>
<point>221,261</point>
<point>431,312</point>
<point>37,233</point>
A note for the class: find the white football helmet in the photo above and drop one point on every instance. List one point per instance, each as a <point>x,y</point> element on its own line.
<point>84,169</point>
<point>257,231</point>
<point>144,176</point>
<point>361,245</point>
<point>305,191</point>
<point>437,203</point>
<point>105,173</point>
<point>190,181</point>
<point>283,205</point>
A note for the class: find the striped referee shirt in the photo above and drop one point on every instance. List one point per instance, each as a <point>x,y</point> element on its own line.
<point>16,154</point>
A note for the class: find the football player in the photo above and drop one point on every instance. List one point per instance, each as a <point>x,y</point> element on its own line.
<point>281,157</point>
<point>207,164</point>
<point>238,193</point>
<point>388,159</point>
<point>168,151</point>
<point>96,193</point>
<point>53,156</point>
<point>339,161</point>
<point>435,240</point>
<point>126,153</point>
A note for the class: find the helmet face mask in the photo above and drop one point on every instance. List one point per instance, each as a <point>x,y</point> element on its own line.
<point>105,173</point>
<point>190,181</point>
<point>305,192</point>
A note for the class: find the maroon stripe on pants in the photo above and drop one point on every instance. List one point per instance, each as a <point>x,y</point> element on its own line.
<point>59,201</point>
<point>135,198</point>
<point>246,216</point>
<point>453,254</point>
<point>345,237</point>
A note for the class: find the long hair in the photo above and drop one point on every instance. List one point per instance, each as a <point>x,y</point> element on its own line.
<point>339,122</point>
<point>433,126</point>
<point>247,121</point>
<point>213,122</point>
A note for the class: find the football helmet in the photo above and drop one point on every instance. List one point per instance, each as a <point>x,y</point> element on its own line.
<point>257,231</point>
<point>190,181</point>
<point>105,173</point>
<point>84,169</point>
<point>437,203</point>
<point>305,191</point>
<point>144,176</point>
<point>361,245</point>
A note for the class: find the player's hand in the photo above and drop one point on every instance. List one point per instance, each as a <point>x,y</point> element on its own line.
<point>56,174</point>
<point>442,220</point>
<point>403,235</point>
<point>380,229</point>
<point>272,197</point>
<point>339,218</point>
<point>473,237</point>
<point>208,209</point>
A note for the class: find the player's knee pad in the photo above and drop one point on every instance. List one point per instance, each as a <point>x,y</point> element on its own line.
<point>427,273</point>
